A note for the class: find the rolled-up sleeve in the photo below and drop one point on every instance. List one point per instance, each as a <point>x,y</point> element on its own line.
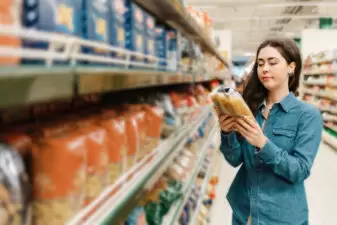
<point>296,164</point>
<point>231,148</point>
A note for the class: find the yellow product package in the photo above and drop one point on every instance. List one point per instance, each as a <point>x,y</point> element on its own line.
<point>230,102</point>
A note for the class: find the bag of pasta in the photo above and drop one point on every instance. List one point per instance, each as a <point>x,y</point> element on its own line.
<point>230,102</point>
<point>14,188</point>
<point>59,178</point>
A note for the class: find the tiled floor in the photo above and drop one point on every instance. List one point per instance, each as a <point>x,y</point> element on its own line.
<point>321,191</point>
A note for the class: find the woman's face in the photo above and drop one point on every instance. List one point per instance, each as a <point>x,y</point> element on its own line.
<point>273,69</point>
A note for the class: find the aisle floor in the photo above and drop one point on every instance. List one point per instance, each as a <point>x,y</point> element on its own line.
<point>321,191</point>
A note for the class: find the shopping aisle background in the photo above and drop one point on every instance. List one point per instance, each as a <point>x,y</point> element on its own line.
<point>321,190</point>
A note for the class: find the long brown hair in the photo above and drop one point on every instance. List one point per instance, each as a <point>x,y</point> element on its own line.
<point>254,92</point>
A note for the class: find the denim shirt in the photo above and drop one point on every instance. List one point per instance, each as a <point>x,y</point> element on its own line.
<point>269,186</point>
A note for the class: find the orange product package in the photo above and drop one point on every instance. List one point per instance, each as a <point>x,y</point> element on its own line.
<point>19,139</point>
<point>117,145</point>
<point>10,11</point>
<point>59,174</point>
<point>48,129</point>
<point>139,115</point>
<point>132,137</point>
<point>154,119</point>
<point>97,161</point>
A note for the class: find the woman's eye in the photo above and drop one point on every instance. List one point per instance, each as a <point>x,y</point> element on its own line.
<point>273,63</point>
<point>259,65</point>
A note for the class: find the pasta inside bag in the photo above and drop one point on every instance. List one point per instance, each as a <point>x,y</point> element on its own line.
<point>230,102</point>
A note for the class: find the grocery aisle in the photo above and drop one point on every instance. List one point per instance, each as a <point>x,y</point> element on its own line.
<point>321,190</point>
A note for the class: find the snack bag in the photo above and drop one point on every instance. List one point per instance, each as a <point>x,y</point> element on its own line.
<point>14,187</point>
<point>133,138</point>
<point>117,144</point>
<point>139,114</point>
<point>59,177</point>
<point>97,162</point>
<point>154,119</point>
<point>230,102</point>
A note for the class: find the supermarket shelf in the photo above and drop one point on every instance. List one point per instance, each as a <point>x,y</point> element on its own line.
<point>175,211</point>
<point>325,61</point>
<point>329,110</point>
<point>174,13</point>
<point>21,86</point>
<point>59,71</point>
<point>321,83</point>
<point>329,139</point>
<point>103,80</point>
<point>330,118</point>
<point>320,72</point>
<point>201,197</point>
<point>105,209</point>
<point>28,85</point>
<point>321,94</point>
<point>216,198</point>
<point>334,129</point>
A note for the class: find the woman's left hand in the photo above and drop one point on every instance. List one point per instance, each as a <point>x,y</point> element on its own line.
<point>251,131</point>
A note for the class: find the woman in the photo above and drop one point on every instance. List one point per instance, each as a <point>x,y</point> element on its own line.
<point>278,149</point>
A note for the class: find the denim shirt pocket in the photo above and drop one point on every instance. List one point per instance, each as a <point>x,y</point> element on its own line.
<point>284,137</point>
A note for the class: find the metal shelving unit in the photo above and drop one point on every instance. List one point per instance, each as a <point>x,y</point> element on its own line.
<point>172,217</point>
<point>63,74</point>
<point>325,91</point>
<point>109,206</point>
<point>63,71</point>
<point>173,13</point>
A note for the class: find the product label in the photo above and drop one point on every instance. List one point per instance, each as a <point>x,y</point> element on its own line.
<point>101,28</point>
<point>159,30</point>
<point>65,16</point>
<point>139,42</point>
<point>120,7</point>
<point>31,3</point>
<point>150,46</point>
<point>150,23</point>
<point>120,34</point>
<point>139,16</point>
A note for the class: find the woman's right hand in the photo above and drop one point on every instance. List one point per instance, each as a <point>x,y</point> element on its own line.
<point>226,122</point>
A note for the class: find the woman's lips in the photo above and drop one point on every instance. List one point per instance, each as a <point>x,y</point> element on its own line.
<point>266,78</point>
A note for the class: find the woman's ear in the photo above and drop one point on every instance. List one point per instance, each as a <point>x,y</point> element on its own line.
<point>291,68</point>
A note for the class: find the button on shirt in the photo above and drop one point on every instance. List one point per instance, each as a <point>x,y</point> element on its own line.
<point>269,186</point>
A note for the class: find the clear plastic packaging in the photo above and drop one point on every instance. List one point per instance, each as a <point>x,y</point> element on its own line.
<point>59,172</point>
<point>230,102</point>
<point>154,120</point>
<point>97,162</point>
<point>14,188</point>
<point>117,145</point>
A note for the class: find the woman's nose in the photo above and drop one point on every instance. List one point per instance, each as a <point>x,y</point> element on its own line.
<point>265,68</point>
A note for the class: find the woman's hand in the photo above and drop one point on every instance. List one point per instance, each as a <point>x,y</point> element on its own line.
<point>226,122</point>
<point>251,131</point>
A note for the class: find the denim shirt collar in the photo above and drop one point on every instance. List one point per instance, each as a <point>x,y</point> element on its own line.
<point>286,103</point>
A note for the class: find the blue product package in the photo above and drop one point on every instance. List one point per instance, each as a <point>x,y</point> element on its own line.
<point>30,3</point>
<point>95,26</point>
<point>172,50</point>
<point>117,38</point>
<point>54,16</point>
<point>137,216</point>
<point>134,28</point>
<point>150,36</point>
<point>161,45</point>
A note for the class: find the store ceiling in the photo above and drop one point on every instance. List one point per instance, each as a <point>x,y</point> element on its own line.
<point>253,20</point>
